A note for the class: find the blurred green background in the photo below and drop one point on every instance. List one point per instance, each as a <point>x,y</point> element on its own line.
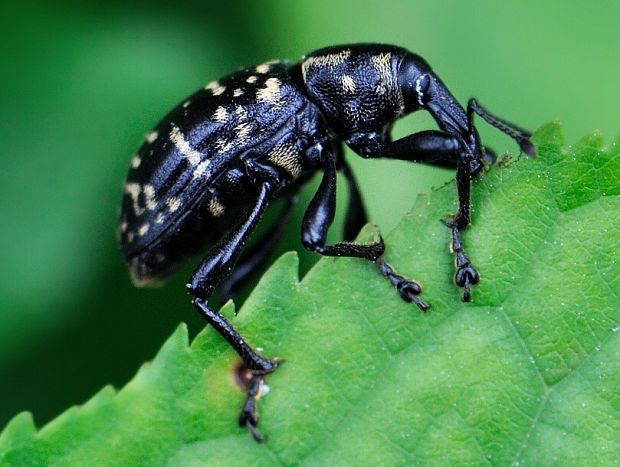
<point>80,85</point>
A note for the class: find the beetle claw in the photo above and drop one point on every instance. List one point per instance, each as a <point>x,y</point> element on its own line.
<point>465,277</point>
<point>409,291</point>
<point>248,417</point>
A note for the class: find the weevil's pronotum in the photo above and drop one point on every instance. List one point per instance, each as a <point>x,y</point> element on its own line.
<point>204,176</point>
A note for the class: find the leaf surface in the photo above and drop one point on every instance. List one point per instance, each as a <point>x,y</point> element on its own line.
<point>527,373</point>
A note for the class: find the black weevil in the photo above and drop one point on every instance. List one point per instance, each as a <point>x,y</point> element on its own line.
<point>205,175</point>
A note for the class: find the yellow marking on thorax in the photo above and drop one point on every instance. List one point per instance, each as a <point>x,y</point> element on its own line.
<point>329,60</point>
<point>383,64</point>
<point>348,84</point>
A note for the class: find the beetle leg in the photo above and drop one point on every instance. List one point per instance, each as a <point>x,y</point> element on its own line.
<point>439,148</point>
<point>356,216</point>
<point>248,417</point>
<point>216,265</point>
<point>430,146</point>
<point>465,275</point>
<point>256,256</point>
<point>317,220</point>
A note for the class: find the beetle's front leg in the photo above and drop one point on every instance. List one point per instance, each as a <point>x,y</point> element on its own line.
<point>443,149</point>
<point>217,265</point>
<point>465,275</point>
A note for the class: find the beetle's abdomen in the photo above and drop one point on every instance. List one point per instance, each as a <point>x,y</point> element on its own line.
<point>187,182</point>
<point>356,86</point>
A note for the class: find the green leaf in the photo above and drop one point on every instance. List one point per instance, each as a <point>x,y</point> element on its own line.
<point>527,373</point>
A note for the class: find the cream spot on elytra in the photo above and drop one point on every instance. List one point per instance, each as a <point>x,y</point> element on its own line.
<point>149,196</point>
<point>220,115</point>
<point>134,190</point>
<point>144,228</point>
<point>271,92</point>
<point>241,113</point>
<point>215,87</point>
<point>222,145</point>
<point>242,132</point>
<point>215,207</point>
<point>173,203</point>
<point>201,169</point>
<point>183,146</point>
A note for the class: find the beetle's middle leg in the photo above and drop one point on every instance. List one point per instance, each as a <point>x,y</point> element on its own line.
<point>255,257</point>
<point>216,265</point>
<point>319,217</point>
<point>356,216</point>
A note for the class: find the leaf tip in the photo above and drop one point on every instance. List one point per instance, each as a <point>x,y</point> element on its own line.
<point>549,134</point>
<point>19,427</point>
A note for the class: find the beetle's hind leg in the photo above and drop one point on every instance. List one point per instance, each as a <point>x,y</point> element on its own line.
<point>319,217</point>
<point>216,265</point>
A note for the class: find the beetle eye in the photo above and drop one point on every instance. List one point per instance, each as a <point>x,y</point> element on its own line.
<point>422,85</point>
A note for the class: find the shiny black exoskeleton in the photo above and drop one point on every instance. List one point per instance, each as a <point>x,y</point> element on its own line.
<point>203,178</point>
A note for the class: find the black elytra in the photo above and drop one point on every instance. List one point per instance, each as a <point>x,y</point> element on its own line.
<point>205,175</point>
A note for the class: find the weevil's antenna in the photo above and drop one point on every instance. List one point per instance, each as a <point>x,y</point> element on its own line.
<point>520,135</point>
